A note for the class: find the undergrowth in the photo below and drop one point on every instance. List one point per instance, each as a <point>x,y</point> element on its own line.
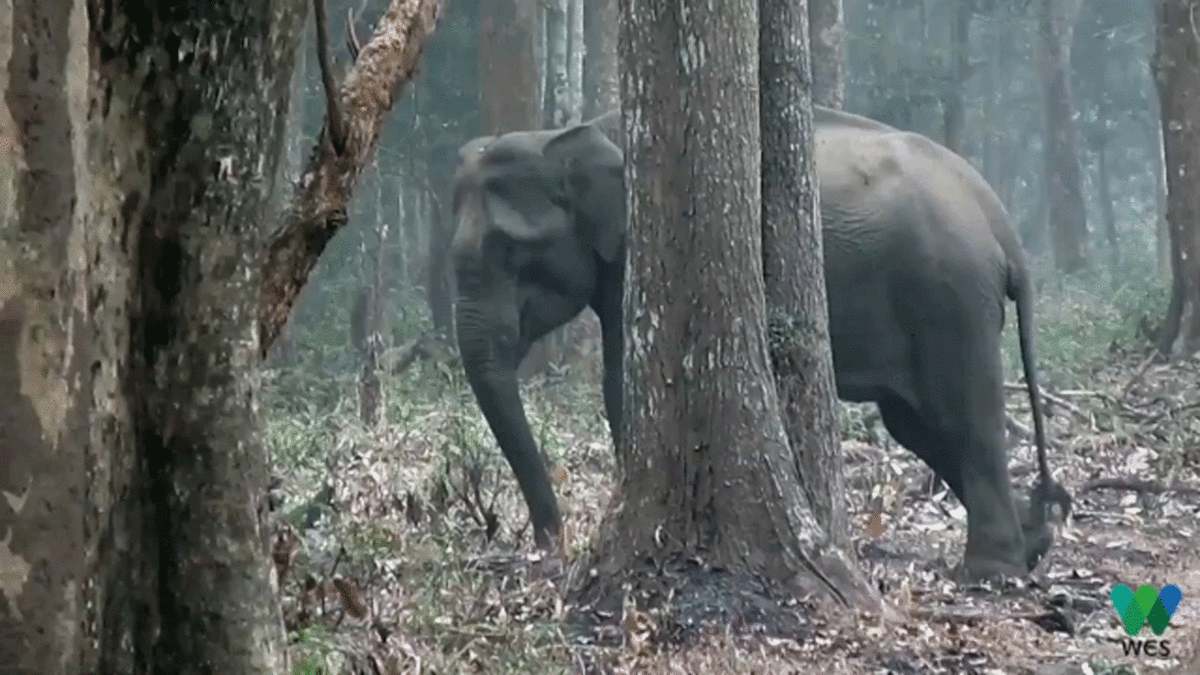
<point>424,511</point>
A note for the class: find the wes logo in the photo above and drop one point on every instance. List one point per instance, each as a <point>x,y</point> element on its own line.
<point>1146,605</point>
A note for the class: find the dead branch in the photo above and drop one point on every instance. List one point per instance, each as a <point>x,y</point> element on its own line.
<point>335,122</point>
<point>1018,429</point>
<point>1056,400</point>
<point>1138,485</point>
<point>1141,372</point>
<point>352,44</point>
<point>385,64</point>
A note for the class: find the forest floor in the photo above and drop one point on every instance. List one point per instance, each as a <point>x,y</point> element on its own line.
<point>411,551</point>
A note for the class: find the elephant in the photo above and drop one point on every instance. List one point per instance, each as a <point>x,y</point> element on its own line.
<point>919,260</point>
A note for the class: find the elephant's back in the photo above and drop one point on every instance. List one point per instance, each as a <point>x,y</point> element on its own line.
<point>886,188</point>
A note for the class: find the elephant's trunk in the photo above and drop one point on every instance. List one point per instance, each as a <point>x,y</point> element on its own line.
<point>488,335</point>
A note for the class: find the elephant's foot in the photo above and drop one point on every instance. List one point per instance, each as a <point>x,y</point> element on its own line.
<point>977,568</point>
<point>550,559</point>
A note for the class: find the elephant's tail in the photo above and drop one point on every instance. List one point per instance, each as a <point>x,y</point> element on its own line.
<point>1020,290</point>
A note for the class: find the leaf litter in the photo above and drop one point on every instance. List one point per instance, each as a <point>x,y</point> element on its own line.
<point>422,563</point>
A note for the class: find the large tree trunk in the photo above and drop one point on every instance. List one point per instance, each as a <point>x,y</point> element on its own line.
<point>705,464</point>
<point>134,529</point>
<point>508,67</point>
<point>1178,79</point>
<point>1064,192</point>
<point>48,532</point>
<point>513,91</point>
<point>827,28</point>
<point>601,86</point>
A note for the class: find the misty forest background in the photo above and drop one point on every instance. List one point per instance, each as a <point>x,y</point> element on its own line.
<point>971,74</point>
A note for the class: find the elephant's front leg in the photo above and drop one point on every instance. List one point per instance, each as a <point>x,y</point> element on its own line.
<point>490,343</point>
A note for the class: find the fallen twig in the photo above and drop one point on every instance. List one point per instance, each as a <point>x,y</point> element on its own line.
<point>1141,372</point>
<point>1056,400</point>
<point>1138,485</point>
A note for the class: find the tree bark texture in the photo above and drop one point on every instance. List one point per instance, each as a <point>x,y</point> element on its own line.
<point>318,209</point>
<point>1062,177</point>
<point>47,528</point>
<point>601,84</point>
<point>145,147</point>
<point>705,465</point>
<point>1178,80</point>
<point>793,267</point>
<point>827,28</point>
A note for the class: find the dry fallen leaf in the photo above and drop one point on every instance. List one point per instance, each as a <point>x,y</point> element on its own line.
<point>875,525</point>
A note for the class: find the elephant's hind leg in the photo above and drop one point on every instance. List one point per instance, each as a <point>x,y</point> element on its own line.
<point>966,396</point>
<point>909,430</point>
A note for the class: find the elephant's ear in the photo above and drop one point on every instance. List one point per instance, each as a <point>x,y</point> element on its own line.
<point>523,195</point>
<point>594,169</point>
<point>610,125</point>
<point>472,149</point>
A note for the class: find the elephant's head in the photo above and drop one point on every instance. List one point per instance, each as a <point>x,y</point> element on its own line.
<point>520,199</point>
<point>533,186</point>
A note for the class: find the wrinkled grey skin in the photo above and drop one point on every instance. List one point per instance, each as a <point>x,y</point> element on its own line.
<point>919,260</point>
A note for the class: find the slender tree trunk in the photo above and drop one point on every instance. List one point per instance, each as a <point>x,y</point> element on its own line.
<point>827,28</point>
<point>1162,233</point>
<point>575,49</point>
<point>1106,201</point>
<point>133,528</point>
<point>601,86</point>
<point>1178,80</point>
<point>441,281</point>
<point>1067,214</point>
<point>794,271</point>
<point>988,91</point>
<point>953,109</point>
<point>555,106</point>
<point>370,340</point>
<point>705,466</point>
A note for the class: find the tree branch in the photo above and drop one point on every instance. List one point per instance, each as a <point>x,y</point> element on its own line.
<point>352,44</point>
<point>335,123</point>
<point>386,63</point>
